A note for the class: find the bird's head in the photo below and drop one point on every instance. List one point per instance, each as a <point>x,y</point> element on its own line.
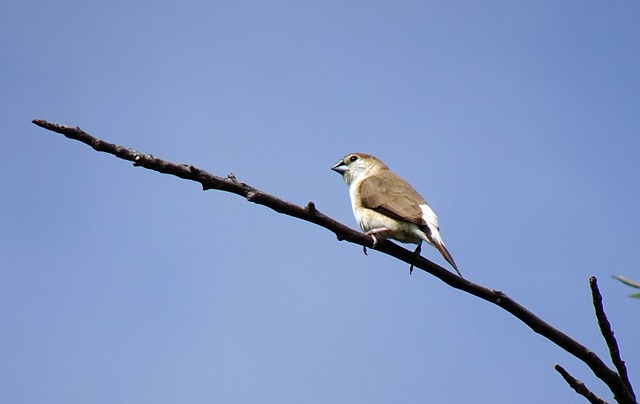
<point>357,165</point>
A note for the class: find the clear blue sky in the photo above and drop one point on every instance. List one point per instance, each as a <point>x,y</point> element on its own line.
<point>519,122</point>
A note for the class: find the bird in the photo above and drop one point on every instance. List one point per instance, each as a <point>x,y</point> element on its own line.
<point>387,206</point>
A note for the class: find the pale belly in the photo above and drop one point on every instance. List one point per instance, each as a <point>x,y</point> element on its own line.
<point>404,232</point>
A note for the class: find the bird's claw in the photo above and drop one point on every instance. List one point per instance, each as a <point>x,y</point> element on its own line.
<point>416,254</point>
<point>375,240</point>
<point>375,243</point>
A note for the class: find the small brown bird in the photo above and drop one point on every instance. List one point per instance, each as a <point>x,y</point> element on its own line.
<point>386,206</point>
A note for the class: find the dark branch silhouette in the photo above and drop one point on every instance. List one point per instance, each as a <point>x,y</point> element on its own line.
<point>578,386</point>
<point>607,333</point>
<point>309,213</point>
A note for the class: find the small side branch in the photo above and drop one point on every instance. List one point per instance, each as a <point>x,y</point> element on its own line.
<point>607,333</point>
<point>579,386</point>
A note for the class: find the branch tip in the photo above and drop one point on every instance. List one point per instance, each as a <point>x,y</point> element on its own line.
<point>578,386</point>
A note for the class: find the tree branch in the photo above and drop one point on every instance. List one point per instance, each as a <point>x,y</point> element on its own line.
<point>578,386</point>
<point>343,232</point>
<point>607,333</point>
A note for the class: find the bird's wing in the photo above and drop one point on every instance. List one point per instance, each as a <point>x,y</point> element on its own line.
<point>392,196</point>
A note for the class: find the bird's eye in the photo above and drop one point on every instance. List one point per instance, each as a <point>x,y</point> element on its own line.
<point>353,158</point>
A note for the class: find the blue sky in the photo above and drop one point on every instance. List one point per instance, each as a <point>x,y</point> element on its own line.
<point>519,122</point>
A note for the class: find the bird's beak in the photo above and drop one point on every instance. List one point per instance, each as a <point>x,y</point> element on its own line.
<point>340,167</point>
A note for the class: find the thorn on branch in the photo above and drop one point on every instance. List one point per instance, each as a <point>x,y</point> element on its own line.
<point>311,207</point>
<point>232,178</point>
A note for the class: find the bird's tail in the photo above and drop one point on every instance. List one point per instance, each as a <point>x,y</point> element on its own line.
<point>431,235</point>
<point>445,253</point>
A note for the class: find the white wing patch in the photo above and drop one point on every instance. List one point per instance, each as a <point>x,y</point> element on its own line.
<point>430,217</point>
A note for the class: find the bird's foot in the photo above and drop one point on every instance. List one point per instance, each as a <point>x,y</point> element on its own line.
<point>373,233</point>
<point>416,254</point>
<point>375,242</point>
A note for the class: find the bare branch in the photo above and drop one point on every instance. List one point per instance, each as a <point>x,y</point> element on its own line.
<point>343,232</point>
<point>578,386</point>
<point>607,333</point>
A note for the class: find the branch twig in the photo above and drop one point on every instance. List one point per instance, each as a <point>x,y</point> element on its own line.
<point>607,333</point>
<point>343,232</point>
<point>579,386</point>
